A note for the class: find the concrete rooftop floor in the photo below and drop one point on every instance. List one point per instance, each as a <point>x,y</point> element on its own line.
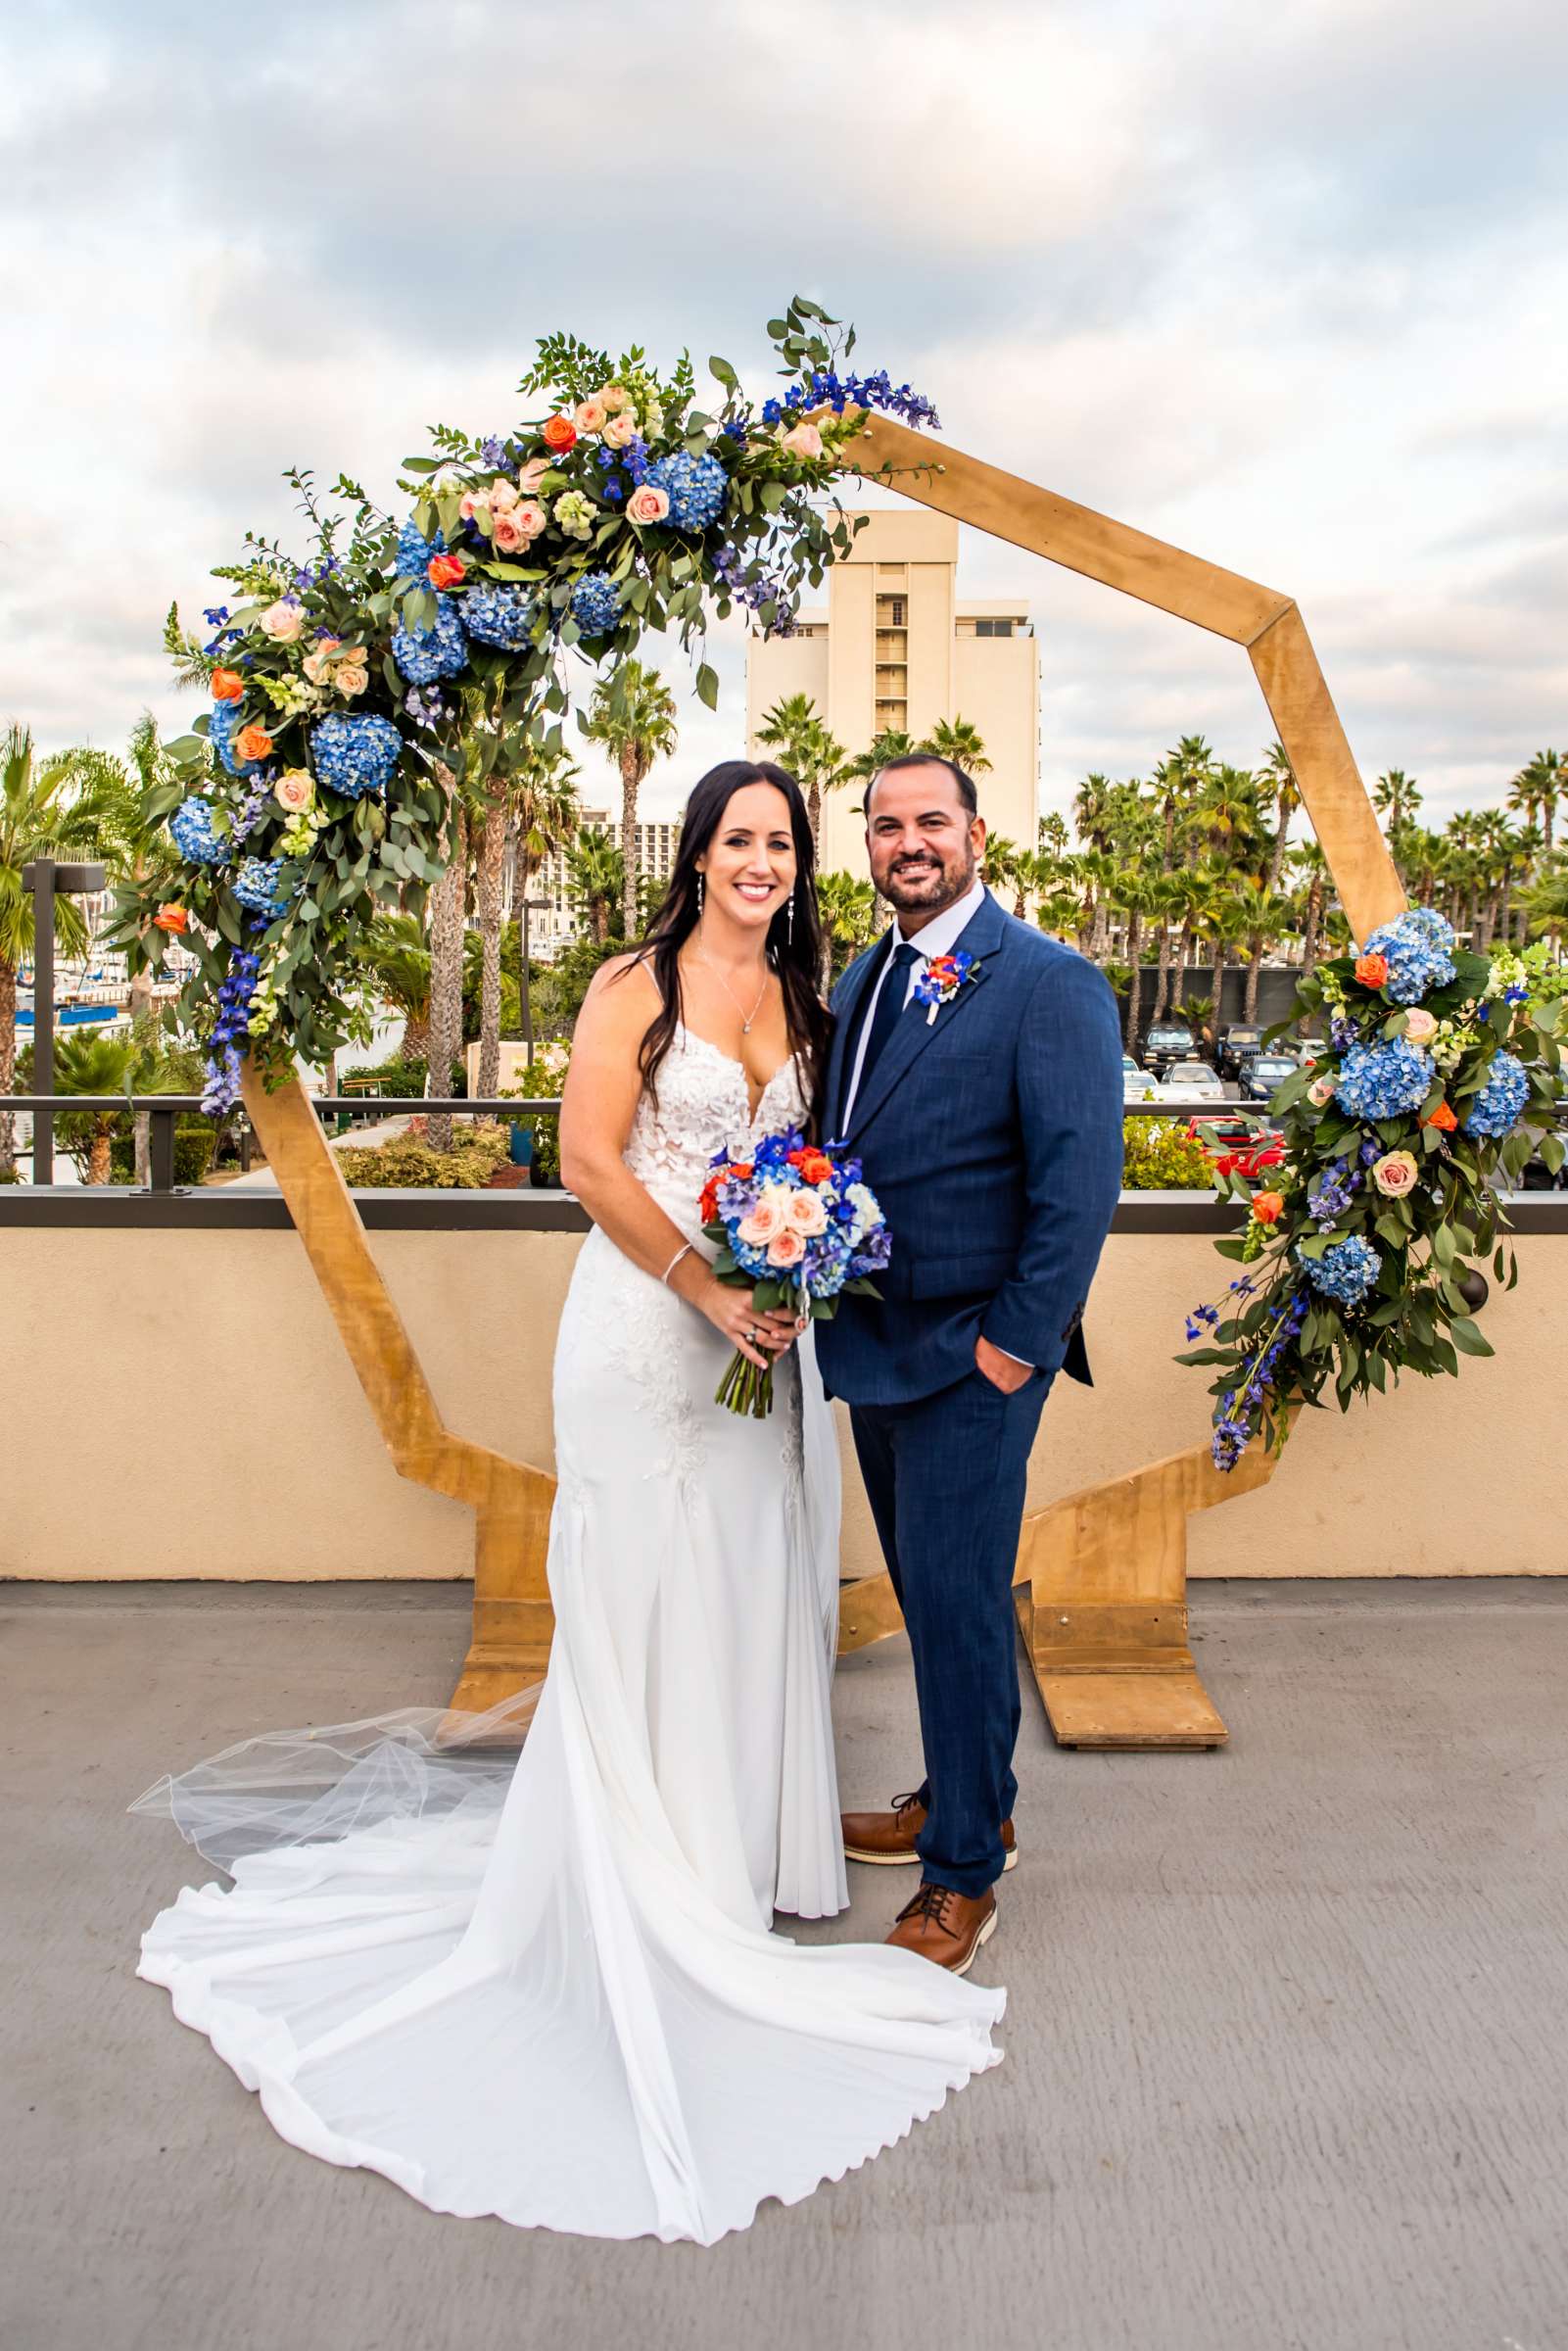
<point>1287,2041</point>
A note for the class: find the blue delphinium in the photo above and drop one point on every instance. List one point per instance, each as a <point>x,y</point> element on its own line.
<point>414,551</point>
<point>500,613</point>
<point>1496,1107</point>
<point>256,885</point>
<point>247,815</point>
<point>696,487</point>
<point>1419,947</point>
<point>767,588</point>
<point>225,725</point>
<point>597,604</point>
<point>192,827</point>
<point>1345,1272</point>
<point>1383,1081</point>
<point>230,1033</point>
<point>356,753</point>
<point>425,655</point>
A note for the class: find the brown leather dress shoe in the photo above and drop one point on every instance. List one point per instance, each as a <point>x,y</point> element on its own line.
<point>945,1926</point>
<point>888,1837</point>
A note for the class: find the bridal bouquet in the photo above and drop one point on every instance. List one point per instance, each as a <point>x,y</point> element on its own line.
<point>797,1228</point>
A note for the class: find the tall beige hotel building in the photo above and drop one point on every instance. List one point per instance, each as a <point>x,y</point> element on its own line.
<point>898,647</point>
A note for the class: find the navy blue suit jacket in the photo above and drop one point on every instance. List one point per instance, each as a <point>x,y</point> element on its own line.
<point>992,1137</point>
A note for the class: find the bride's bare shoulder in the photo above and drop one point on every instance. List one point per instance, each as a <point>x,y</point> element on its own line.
<point>623,993</point>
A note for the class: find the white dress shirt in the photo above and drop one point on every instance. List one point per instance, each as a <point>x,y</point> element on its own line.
<point>939,937</point>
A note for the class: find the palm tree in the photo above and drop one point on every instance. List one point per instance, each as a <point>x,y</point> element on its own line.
<point>1540,784</point>
<point>795,729</point>
<point>1170,901</point>
<point>999,866</point>
<point>1266,914</point>
<point>1228,810</point>
<point>1054,836</point>
<point>1092,804</point>
<point>1131,890</point>
<point>1224,919</point>
<point>1096,872</point>
<point>530,800</point>
<point>848,910</point>
<point>38,818</point>
<point>1309,860</point>
<point>958,738</point>
<point>1546,904</point>
<point>596,880</point>
<point>1279,782</point>
<point>396,952</point>
<point>1179,780</point>
<point>87,1062</point>
<point>633,715</point>
<point>1394,795</point>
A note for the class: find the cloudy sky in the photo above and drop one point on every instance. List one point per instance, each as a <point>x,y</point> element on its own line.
<point>1287,287</point>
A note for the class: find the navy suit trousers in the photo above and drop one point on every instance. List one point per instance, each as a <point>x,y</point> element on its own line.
<point>945,1478</point>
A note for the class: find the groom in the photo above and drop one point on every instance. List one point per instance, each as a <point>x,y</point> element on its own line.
<point>976,1070</point>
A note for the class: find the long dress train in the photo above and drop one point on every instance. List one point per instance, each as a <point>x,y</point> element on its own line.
<point>553,1993</point>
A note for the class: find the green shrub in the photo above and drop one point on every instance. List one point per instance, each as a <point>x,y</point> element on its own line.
<point>548,1077</point>
<point>408,1162</point>
<point>403,1079</point>
<point>1162,1157</point>
<point>195,1141</point>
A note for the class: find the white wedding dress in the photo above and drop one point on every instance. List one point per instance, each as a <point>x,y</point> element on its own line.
<point>552,1991</point>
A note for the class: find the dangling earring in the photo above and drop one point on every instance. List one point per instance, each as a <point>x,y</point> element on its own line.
<point>790,925</point>
<point>699,893</point>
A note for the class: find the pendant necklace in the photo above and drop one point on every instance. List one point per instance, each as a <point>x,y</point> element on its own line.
<point>746,1017</point>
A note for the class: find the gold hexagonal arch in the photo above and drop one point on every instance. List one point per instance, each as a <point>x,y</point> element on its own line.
<point>1101,1578</point>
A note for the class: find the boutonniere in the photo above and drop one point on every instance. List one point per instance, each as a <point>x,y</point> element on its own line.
<point>943,978</point>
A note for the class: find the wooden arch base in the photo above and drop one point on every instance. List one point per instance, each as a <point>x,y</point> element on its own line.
<point>1102,1573</point>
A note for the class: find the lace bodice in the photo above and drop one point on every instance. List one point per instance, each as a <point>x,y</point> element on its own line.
<point>703,1103</point>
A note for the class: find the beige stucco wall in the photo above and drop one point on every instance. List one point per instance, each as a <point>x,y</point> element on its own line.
<point>179,1403</point>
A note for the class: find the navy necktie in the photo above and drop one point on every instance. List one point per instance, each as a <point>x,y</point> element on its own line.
<point>890,1004</point>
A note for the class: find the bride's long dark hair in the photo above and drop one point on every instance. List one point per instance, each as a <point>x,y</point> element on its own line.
<point>794,949</point>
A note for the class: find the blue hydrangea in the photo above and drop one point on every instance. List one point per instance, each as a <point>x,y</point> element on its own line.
<point>500,614</point>
<point>696,487</point>
<point>225,725</point>
<point>1347,1272</point>
<point>597,604</point>
<point>1384,1080</point>
<point>355,752</point>
<point>192,827</point>
<point>256,885</point>
<point>1419,947</point>
<point>425,655</point>
<point>414,551</point>
<point>1496,1107</point>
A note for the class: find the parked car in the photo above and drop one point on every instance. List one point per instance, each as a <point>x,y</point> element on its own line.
<point>1195,1081</point>
<point>1165,1042</point>
<point>1137,1085</point>
<point>1238,1045</point>
<point>1241,1147</point>
<point>1260,1075</point>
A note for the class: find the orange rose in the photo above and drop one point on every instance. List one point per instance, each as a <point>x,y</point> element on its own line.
<point>445,571</point>
<point>1269,1207</point>
<point>740,1173</point>
<point>816,1167</point>
<point>708,1205</point>
<point>1443,1118</point>
<point>227,686</point>
<point>558,433</point>
<point>1372,970</point>
<point>173,918</point>
<point>253,743</point>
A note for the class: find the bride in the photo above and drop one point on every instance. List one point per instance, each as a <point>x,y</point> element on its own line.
<point>554,1991</point>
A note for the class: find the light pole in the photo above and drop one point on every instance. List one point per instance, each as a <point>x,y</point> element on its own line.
<point>47,880</point>
<point>538,906</point>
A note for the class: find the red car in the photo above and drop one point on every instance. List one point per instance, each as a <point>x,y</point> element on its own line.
<point>1239,1147</point>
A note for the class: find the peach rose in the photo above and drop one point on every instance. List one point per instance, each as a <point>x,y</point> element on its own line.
<point>612,398</point>
<point>282,621</point>
<point>1395,1172</point>
<point>1268,1208</point>
<point>319,663</point>
<point>1372,970</point>
<point>1420,1026</point>
<point>763,1224</point>
<point>477,501</point>
<point>806,1213</point>
<point>531,475</point>
<point>294,790</point>
<point>647,505</point>
<point>445,571</point>
<point>803,441</point>
<point>173,918</point>
<point>227,684</point>
<point>558,433</point>
<point>589,415</point>
<point>1321,1091</point>
<point>788,1250</point>
<point>502,495</point>
<point>352,675</point>
<point>252,743</point>
<point>619,430</point>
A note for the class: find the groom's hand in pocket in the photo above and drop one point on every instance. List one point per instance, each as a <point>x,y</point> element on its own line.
<point>1004,1372</point>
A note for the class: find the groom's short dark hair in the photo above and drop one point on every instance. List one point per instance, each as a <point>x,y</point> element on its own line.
<point>966,783</point>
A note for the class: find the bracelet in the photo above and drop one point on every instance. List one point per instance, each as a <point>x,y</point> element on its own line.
<point>684,1250</point>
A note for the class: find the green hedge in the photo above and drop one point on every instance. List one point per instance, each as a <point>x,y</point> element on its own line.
<point>195,1141</point>
<point>408,1162</point>
<point>1162,1157</point>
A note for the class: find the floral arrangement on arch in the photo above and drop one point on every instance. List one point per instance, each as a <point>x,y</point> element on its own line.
<point>348,691</point>
<point>1440,1080</point>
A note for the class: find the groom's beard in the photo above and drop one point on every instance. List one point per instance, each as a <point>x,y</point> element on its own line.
<point>923,884</point>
